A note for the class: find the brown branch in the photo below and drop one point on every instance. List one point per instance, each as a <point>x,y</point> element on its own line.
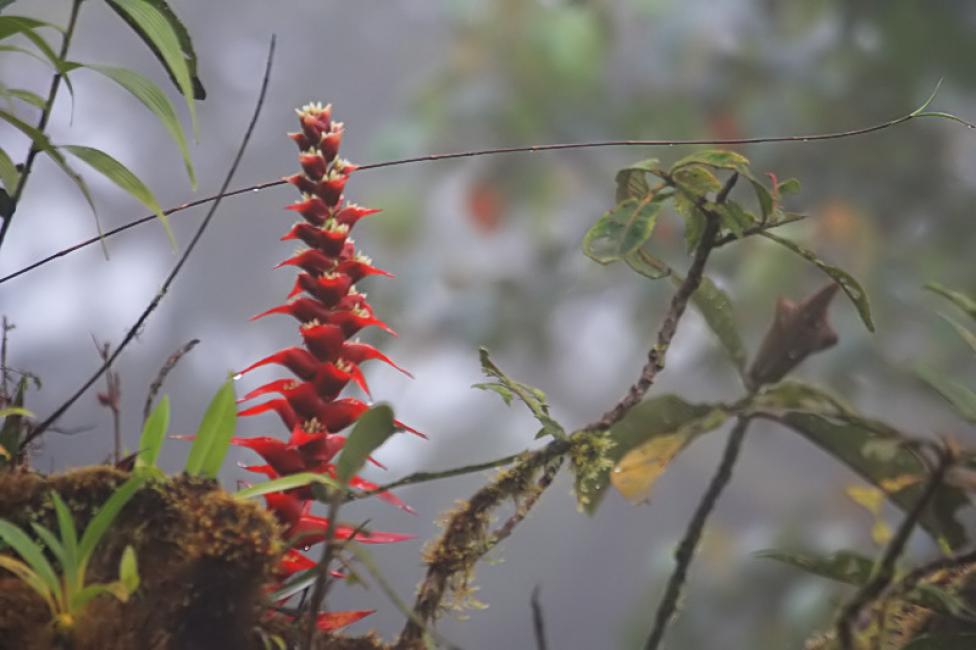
<point>170,363</point>
<point>538,622</point>
<point>131,334</point>
<point>686,549</point>
<point>836,135</point>
<point>884,571</point>
<point>42,122</point>
<point>111,398</point>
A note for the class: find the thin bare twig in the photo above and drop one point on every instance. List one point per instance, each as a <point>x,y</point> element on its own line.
<point>111,398</point>
<point>884,570</point>
<point>170,363</point>
<point>538,621</point>
<point>42,122</point>
<point>686,549</point>
<point>130,335</point>
<point>816,137</point>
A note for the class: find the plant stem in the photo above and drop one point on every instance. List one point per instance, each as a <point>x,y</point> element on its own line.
<point>322,581</point>
<point>45,116</point>
<point>686,549</point>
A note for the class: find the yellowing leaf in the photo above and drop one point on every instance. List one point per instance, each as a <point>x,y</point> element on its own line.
<point>873,500</point>
<point>899,483</point>
<point>880,532</point>
<point>639,469</point>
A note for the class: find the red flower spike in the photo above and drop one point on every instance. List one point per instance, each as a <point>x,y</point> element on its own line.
<point>331,621</point>
<point>312,208</point>
<point>329,144</point>
<point>275,452</point>
<point>305,310</point>
<point>358,269</point>
<point>287,508</point>
<point>357,352</point>
<point>310,260</point>
<point>299,361</point>
<point>300,140</point>
<point>304,184</point>
<point>316,120</point>
<point>356,319</point>
<point>330,188</point>
<point>313,163</point>
<point>330,380</point>
<point>279,406</point>
<point>353,212</point>
<point>329,241</point>
<point>329,289</point>
<point>325,340</point>
<point>388,497</point>
<point>311,529</point>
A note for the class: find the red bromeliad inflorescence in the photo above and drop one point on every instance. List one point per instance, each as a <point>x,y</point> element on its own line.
<point>331,312</point>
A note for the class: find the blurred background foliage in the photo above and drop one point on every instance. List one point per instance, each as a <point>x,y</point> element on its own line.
<point>487,253</point>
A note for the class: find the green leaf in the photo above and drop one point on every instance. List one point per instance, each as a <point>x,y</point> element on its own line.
<point>157,102</point>
<point>32,580</point>
<point>716,158</point>
<point>943,642</point>
<point>696,180</point>
<point>767,205</point>
<point>733,217</point>
<point>716,307</point>
<point>849,438</point>
<point>119,174</point>
<point>964,332</point>
<point>789,186</point>
<point>795,395</point>
<point>13,422</point>
<point>623,229</point>
<point>214,434</point>
<point>844,566</point>
<point>531,396</point>
<point>647,265</point>
<point>129,570</point>
<point>15,410</point>
<point>10,25</point>
<point>30,553</point>
<point>655,417</point>
<point>371,430</point>
<point>50,541</point>
<point>25,96</point>
<point>632,180</point>
<point>957,298</point>
<point>960,398</point>
<point>102,520</point>
<point>42,143</point>
<point>69,539</point>
<point>287,483</point>
<point>165,35</point>
<point>88,593</point>
<point>847,283</point>
<point>153,434</point>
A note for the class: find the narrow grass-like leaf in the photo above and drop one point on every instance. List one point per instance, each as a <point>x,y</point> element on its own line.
<point>42,143</point>
<point>371,430</point>
<point>119,174</point>
<point>964,332</point>
<point>847,283</point>
<point>959,397</point>
<point>289,482</point>
<point>88,593</point>
<point>32,579</point>
<point>153,98</point>
<point>50,540</point>
<point>531,396</point>
<point>10,25</point>
<point>153,434</point>
<point>30,553</point>
<point>102,520</point>
<point>129,569</point>
<point>223,431</point>
<point>25,96</point>
<point>69,539</point>
<point>844,566</point>
<point>159,28</point>
<point>957,298</point>
<point>15,411</point>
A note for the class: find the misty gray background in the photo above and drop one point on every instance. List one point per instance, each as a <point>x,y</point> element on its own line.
<point>410,78</point>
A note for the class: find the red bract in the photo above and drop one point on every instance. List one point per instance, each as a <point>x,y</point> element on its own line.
<point>330,311</point>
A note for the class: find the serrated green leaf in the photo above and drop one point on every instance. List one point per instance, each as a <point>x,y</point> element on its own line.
<point>957,298</point>
<point>623,229</point>
<point>647,265</point>
<point>370,431</point>
<point>964,332</point>
<point>716,158</point>
<point>843,566</point>
<point>632,181</point>
<point>212,440</point>
<point>847,283</point>
<point>119,174</point>
<point>503,391</point>
<point>655,417</point>
<point>153,98</point>
<point>846,437</point>
<point>959,397</point>
<point>165,35</point>
<point>153,434</point>
<point>531,396</point>
<point>289,482</point>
